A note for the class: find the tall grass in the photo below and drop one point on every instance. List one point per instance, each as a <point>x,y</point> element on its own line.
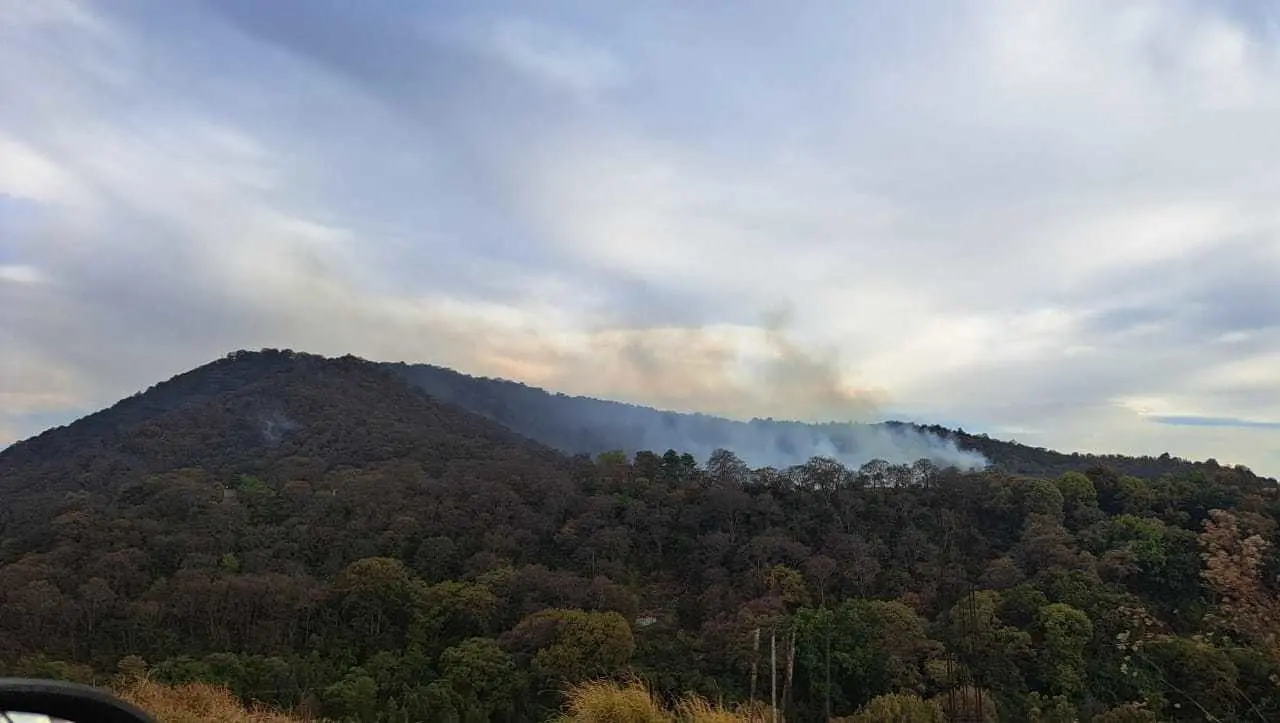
<point>195,703</point>
<point>633,702</point>
<point>595,702</point>
<point>608,702</point>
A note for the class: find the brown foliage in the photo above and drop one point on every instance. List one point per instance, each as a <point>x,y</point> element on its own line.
<point>1233,567</point>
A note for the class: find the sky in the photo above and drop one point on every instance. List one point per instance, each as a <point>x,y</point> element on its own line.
<point>1054,222</point>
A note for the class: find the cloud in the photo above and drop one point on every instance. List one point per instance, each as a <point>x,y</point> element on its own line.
<point>20,274</point>
<point>553,56</point>
<point>1054,218</point>
<point>1193,421</point>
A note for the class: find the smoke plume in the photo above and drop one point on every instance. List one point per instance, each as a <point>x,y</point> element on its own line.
<point>762,442</point>
<point>711,377</point>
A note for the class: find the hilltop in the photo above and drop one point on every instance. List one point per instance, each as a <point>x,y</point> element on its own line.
<point>248,410</point>
<point>271,414</point>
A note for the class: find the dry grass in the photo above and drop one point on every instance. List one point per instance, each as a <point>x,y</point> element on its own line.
<point>608,702</point>
<point>633,702</point>
<point>700,710</point>
<point>596,702</point>
<point>196,703</point>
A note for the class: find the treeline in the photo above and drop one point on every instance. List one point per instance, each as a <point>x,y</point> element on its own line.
<point>388,593</point>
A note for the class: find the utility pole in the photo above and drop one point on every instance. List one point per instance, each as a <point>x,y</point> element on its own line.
<point>773,675</point>
<point>977,673</point>
<point>827,689</point>
<point>791,670</point>
<point>755,661</point>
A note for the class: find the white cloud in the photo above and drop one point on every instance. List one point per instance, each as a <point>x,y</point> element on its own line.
<point>554,55</point>
<point>20,274</point>
<point>1042,217</point>
<point>26,174</point>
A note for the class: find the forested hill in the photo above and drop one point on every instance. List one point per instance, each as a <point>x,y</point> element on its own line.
<point>253,413</point>
<point>320,535</point>
<point>591,426</point>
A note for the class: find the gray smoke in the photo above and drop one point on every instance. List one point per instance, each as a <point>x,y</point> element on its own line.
<point>275,426</point>
<point>794,379</point>
<point>763,442</point>
<point>696,369</point>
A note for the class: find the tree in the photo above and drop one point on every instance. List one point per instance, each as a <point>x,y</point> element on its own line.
<point>1056,709</point>
<point>1126,713</point>
<point>999,654</point>
<point>481,679</point>
<point>726,468</point>
<point>788,584</point>
<point>1042,497</point>
<point>450,612</point>
<point>355,697</point>
<point>372,597</point>
<point>968,703</point>
<point>868,647</point>
<point>571,646</point>
<point>1199,679</point>
<point>898,708</point>
<point>1064,633</point>
<point>1233,568</point>
<point>820,569</point>
<point>1079,500</point>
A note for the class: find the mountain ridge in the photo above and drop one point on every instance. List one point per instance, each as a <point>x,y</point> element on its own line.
<point>241,412</point>
<point>477,394</point>
<point>580,424</point>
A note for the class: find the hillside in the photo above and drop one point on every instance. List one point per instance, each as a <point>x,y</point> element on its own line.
<point>274,414</point>
<point>592,426</point>
<point>322,537</point>
<point>250,410</point>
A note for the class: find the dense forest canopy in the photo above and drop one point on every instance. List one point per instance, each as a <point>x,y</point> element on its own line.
<point>322,535</point>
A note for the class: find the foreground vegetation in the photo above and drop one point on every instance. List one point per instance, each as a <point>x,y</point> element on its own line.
<point>393,559</point>
<point>195,703</point>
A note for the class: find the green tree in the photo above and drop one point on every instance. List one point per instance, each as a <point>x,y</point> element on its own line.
<point>898,708</point>
<point>1079,500</point>
<point>1000,654</point>
<point>355,697</point>
<point>370,606</point>
<point>969,703</point>
<point>1043,497</point>
<point>869,647</point>
<point>449,612</point>
<point>1127,713</point>
<point>1054,709</point>
<point>1200,680</point>
<point>1064,633</point>
<point>572,646</point>
<point>480,680</point>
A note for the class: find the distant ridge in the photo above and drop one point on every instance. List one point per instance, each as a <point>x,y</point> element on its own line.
<point>251,409</point>
<point>584,425</point>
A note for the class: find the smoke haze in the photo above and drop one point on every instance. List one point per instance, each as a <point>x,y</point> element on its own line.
<point>590,426</point>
